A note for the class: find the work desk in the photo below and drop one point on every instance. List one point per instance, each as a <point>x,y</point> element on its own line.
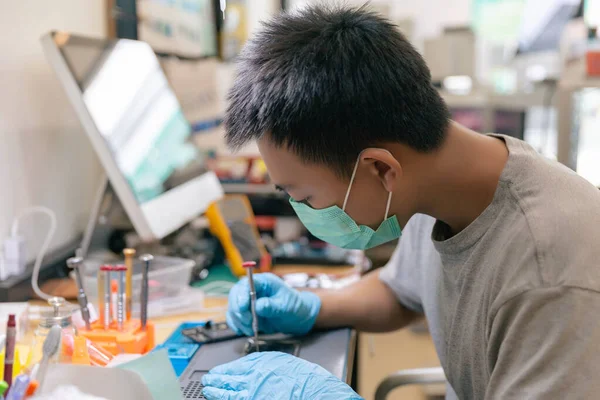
<point>215,309</point>
<point>333,350</point>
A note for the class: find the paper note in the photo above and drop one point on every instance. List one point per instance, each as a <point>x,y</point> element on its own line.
<point>107,383</point>
<point>157,372</point>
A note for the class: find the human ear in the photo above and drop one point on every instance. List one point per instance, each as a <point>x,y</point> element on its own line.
<point>383,165</point>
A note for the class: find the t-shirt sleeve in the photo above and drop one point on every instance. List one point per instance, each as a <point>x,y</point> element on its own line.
<point>543,344</point>
<point>403,272</point>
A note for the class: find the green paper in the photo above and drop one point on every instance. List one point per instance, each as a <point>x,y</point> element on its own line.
<point>218,282</point>
<point>156,371</point>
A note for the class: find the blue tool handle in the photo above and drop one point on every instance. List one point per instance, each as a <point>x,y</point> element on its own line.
<point>18,388</point>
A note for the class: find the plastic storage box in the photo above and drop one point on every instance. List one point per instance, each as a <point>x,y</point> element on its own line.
<point>169,280</point>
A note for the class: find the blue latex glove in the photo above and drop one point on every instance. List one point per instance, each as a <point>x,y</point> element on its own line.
<point>274,375</point>
<point>280,308</point>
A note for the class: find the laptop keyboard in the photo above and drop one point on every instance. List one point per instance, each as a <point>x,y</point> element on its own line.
<point>193,390</point>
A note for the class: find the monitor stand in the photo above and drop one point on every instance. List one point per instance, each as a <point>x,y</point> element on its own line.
<point>106,204</point>
<point>103,192</point>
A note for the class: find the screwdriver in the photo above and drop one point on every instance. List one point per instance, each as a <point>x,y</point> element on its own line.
<point>146,259</point>
<point>104,294</point>
<point>120,269</point>
<point>128,253</point>
<point>249,265</point>
<point>76,263</point>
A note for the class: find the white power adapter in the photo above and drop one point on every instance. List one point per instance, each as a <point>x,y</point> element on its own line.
<point>15,257</point>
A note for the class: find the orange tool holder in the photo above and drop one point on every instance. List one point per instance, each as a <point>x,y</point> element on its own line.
<point>132,339</point>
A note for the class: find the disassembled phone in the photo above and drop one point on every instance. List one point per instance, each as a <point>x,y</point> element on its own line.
<point>211,332</point>
<point>288,346</point>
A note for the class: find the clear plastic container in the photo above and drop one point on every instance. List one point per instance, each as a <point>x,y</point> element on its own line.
<point>169,281</point>
<point>98,355</point>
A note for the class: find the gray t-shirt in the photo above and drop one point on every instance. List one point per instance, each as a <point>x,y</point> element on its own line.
<point>513,300</point>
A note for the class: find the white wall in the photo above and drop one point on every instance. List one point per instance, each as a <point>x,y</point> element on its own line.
<point>45,158</point>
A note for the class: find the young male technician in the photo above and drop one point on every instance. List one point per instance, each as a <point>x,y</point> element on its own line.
<point>503,258</point>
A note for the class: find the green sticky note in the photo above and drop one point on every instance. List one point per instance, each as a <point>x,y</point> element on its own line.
<point>219,281</point>
<point>157,373</point>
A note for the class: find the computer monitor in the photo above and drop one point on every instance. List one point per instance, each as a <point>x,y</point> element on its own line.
<point>136,125</point>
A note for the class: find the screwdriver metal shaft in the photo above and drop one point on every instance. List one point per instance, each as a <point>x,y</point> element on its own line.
<point>104,294</point>
<point>249,265</point>
<point>128,253</point>
<point>146,259</point>
<point>120,296</point>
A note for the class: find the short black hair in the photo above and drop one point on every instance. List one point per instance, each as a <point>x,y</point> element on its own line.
<point>330,81</point>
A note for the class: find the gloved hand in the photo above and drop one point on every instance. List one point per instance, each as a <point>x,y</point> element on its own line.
<point>274,375</point>
<point>280,308</point>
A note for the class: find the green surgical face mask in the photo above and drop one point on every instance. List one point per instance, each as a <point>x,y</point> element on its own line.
<point>334,226</point>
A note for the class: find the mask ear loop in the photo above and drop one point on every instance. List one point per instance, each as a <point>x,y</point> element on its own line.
<point>350,185</point>
<point>387,208</point>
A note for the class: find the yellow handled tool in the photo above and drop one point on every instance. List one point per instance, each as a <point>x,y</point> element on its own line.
<point>231,220</point>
